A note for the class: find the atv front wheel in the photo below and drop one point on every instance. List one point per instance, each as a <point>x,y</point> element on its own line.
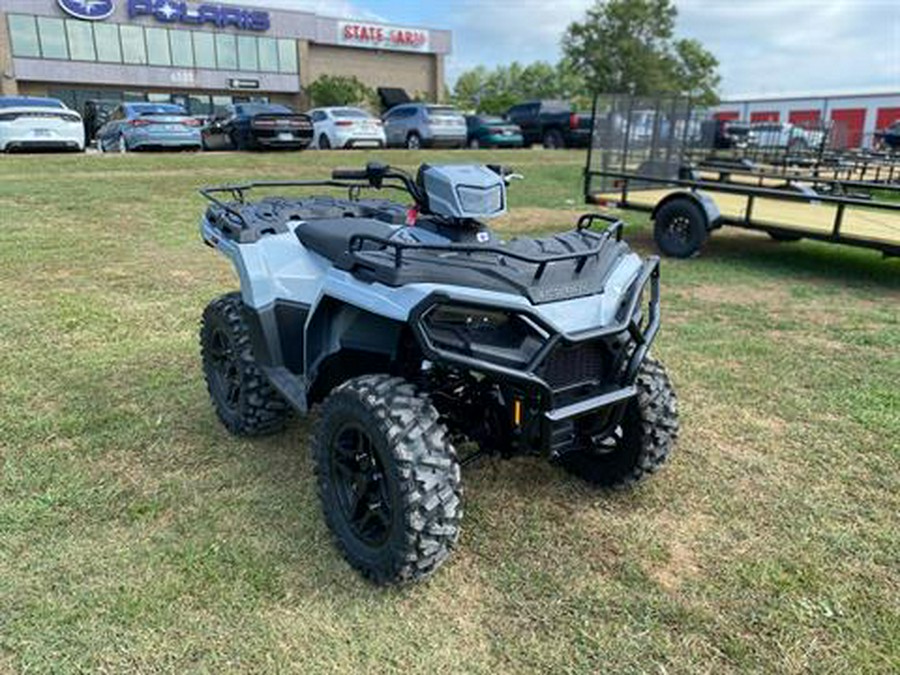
<point>388,478</point>
<point>244,400</point>
<point>641,443</point>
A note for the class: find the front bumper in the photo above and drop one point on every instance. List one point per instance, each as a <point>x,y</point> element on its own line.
<point>504,140</point>
<point>554,405</point>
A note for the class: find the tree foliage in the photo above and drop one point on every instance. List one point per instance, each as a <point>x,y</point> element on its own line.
<point>628,46</point>
<point>337,90</point>
<point>621,46</point>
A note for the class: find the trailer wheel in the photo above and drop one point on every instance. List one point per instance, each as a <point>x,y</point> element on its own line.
<point>680,228</point>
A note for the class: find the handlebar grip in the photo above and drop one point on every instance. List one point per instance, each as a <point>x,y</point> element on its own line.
<point>349,174</point>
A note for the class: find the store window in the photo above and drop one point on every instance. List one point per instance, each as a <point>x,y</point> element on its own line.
<point>182,49</point>
<point>226,51</point>
<point>133,48</point>
<point>268,55</point>
<point>106,38</point>
<point>158,47</point>
<point>81,40</point>
<point>204,50</point>
<point>53,38</point>
<point>248,58</point>
<point>199,105</point>
<point>23,31</point>
<point>287,56</point>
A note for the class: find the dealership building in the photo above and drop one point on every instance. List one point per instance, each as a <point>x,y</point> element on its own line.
<point>203,55</point>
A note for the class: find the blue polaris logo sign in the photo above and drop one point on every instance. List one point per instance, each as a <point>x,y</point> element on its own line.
<point>223,16</point>
<point>92,10</point>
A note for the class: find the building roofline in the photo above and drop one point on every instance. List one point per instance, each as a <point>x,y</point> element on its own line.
<point>802,96</point>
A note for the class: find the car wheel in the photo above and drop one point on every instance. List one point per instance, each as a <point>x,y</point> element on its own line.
<point>553,140</point>
<point>474,144</point>
<point>121,145</point>
<point>413,142</point>
<point>324,143</point>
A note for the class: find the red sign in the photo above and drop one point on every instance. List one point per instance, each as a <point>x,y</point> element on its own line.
<point>375,36</point>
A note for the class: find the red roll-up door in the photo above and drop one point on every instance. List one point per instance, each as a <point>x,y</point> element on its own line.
<point>850,123</point>
<point>765,116</point>
<point>886,117</point>
<point>804,118</point>
<point>727,115</point>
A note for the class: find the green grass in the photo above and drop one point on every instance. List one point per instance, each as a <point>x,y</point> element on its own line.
<point>136,535</point>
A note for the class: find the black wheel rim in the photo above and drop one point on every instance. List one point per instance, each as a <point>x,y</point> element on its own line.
<point>226,376</point>
<point>679,229</point>
<point>360,484</point>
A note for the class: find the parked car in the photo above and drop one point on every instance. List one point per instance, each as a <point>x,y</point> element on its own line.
<point>487,131</point>
<point>346,128</point>
<point>29,123</point>
<point>143,126</point>
<point>552,123</point>
<point>96,113</point>
<point>424,125</point>
<point>258,126</point>
<point>724,134</point>
<point>889,137</point>
<point>784,135</point>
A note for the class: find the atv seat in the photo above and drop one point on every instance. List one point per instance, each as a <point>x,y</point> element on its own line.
<point>331,238</point>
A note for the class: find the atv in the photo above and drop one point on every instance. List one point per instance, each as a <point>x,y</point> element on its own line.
<point>417,331</point>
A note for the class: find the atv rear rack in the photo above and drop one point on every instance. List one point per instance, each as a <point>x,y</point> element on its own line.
<point>613,229</point>
<point>238,191</point>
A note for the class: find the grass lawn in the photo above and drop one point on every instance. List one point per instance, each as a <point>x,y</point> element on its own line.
<point>136,535</point>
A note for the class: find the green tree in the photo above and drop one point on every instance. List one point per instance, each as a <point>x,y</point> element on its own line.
<point>336,90</point>
<point>628,46</point>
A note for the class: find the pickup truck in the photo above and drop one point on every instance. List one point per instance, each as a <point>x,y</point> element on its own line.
<point>552,123</point>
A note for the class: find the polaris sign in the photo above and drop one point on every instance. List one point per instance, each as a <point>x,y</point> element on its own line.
<point>89,10</point>
<point>221,16</point>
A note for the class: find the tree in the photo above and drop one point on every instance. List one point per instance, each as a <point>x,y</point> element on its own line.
<point>628,46</point>
<point>337,90</point>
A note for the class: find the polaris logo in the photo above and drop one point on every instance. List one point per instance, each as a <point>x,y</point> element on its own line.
<point>89,10</point>
<point>221,16</point>
<point>562,291</point>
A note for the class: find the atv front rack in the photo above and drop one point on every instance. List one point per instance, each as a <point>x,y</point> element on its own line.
<point>613,230</point>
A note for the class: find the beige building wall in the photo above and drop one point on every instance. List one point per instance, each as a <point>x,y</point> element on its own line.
<point>8,84</point>
<point>417,73</point>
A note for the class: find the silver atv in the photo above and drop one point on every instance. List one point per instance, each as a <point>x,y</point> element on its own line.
<point>418,332</point>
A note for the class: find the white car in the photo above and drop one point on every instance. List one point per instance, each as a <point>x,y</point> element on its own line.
<point>784,135</point>
<point>28,123</point>
<point>346,127</point>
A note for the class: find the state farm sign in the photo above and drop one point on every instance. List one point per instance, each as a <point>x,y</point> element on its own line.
<point>376,36</point>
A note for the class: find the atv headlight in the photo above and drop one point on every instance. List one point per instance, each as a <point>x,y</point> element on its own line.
<point>497,336</point>
<point>480,201</point>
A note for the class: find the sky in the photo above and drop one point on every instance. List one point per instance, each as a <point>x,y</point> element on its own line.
<point>763,46</point>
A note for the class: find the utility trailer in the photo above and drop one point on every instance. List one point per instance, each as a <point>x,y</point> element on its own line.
<point>647,154</point>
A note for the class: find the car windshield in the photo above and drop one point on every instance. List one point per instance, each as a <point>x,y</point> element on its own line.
<point>350,113</point>
<point>27,102</point>
<point>442,110</point>
<point>263,109</point>
<point>157,109</point>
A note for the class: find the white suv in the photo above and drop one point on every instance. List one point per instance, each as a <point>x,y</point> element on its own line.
<point>784,135</point>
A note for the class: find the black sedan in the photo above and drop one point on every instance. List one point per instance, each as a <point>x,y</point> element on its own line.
<point>258,126</point>
<point>889,137</point>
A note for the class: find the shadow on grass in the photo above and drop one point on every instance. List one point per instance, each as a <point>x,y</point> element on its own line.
<point>807,259</point>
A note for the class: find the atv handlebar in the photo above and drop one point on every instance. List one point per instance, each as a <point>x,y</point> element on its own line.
<point>349,174</point>
<point>376,173</point>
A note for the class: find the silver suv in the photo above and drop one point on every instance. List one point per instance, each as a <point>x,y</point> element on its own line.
<point>421,125</point>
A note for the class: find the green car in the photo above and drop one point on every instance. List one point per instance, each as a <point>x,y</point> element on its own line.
<point>488,131</point>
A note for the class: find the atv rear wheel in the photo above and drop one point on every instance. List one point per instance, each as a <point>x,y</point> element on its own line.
<point>244,400</point>
<point>641,443</point>
<point>389,480</point>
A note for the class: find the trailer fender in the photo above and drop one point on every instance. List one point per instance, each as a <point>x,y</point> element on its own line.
<point>704,202</point>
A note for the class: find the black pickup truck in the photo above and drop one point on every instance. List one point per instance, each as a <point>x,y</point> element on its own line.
<point>552,123</point>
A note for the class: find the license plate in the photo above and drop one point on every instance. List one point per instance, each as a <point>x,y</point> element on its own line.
<point>286,136</point>
<point>43,133</point>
